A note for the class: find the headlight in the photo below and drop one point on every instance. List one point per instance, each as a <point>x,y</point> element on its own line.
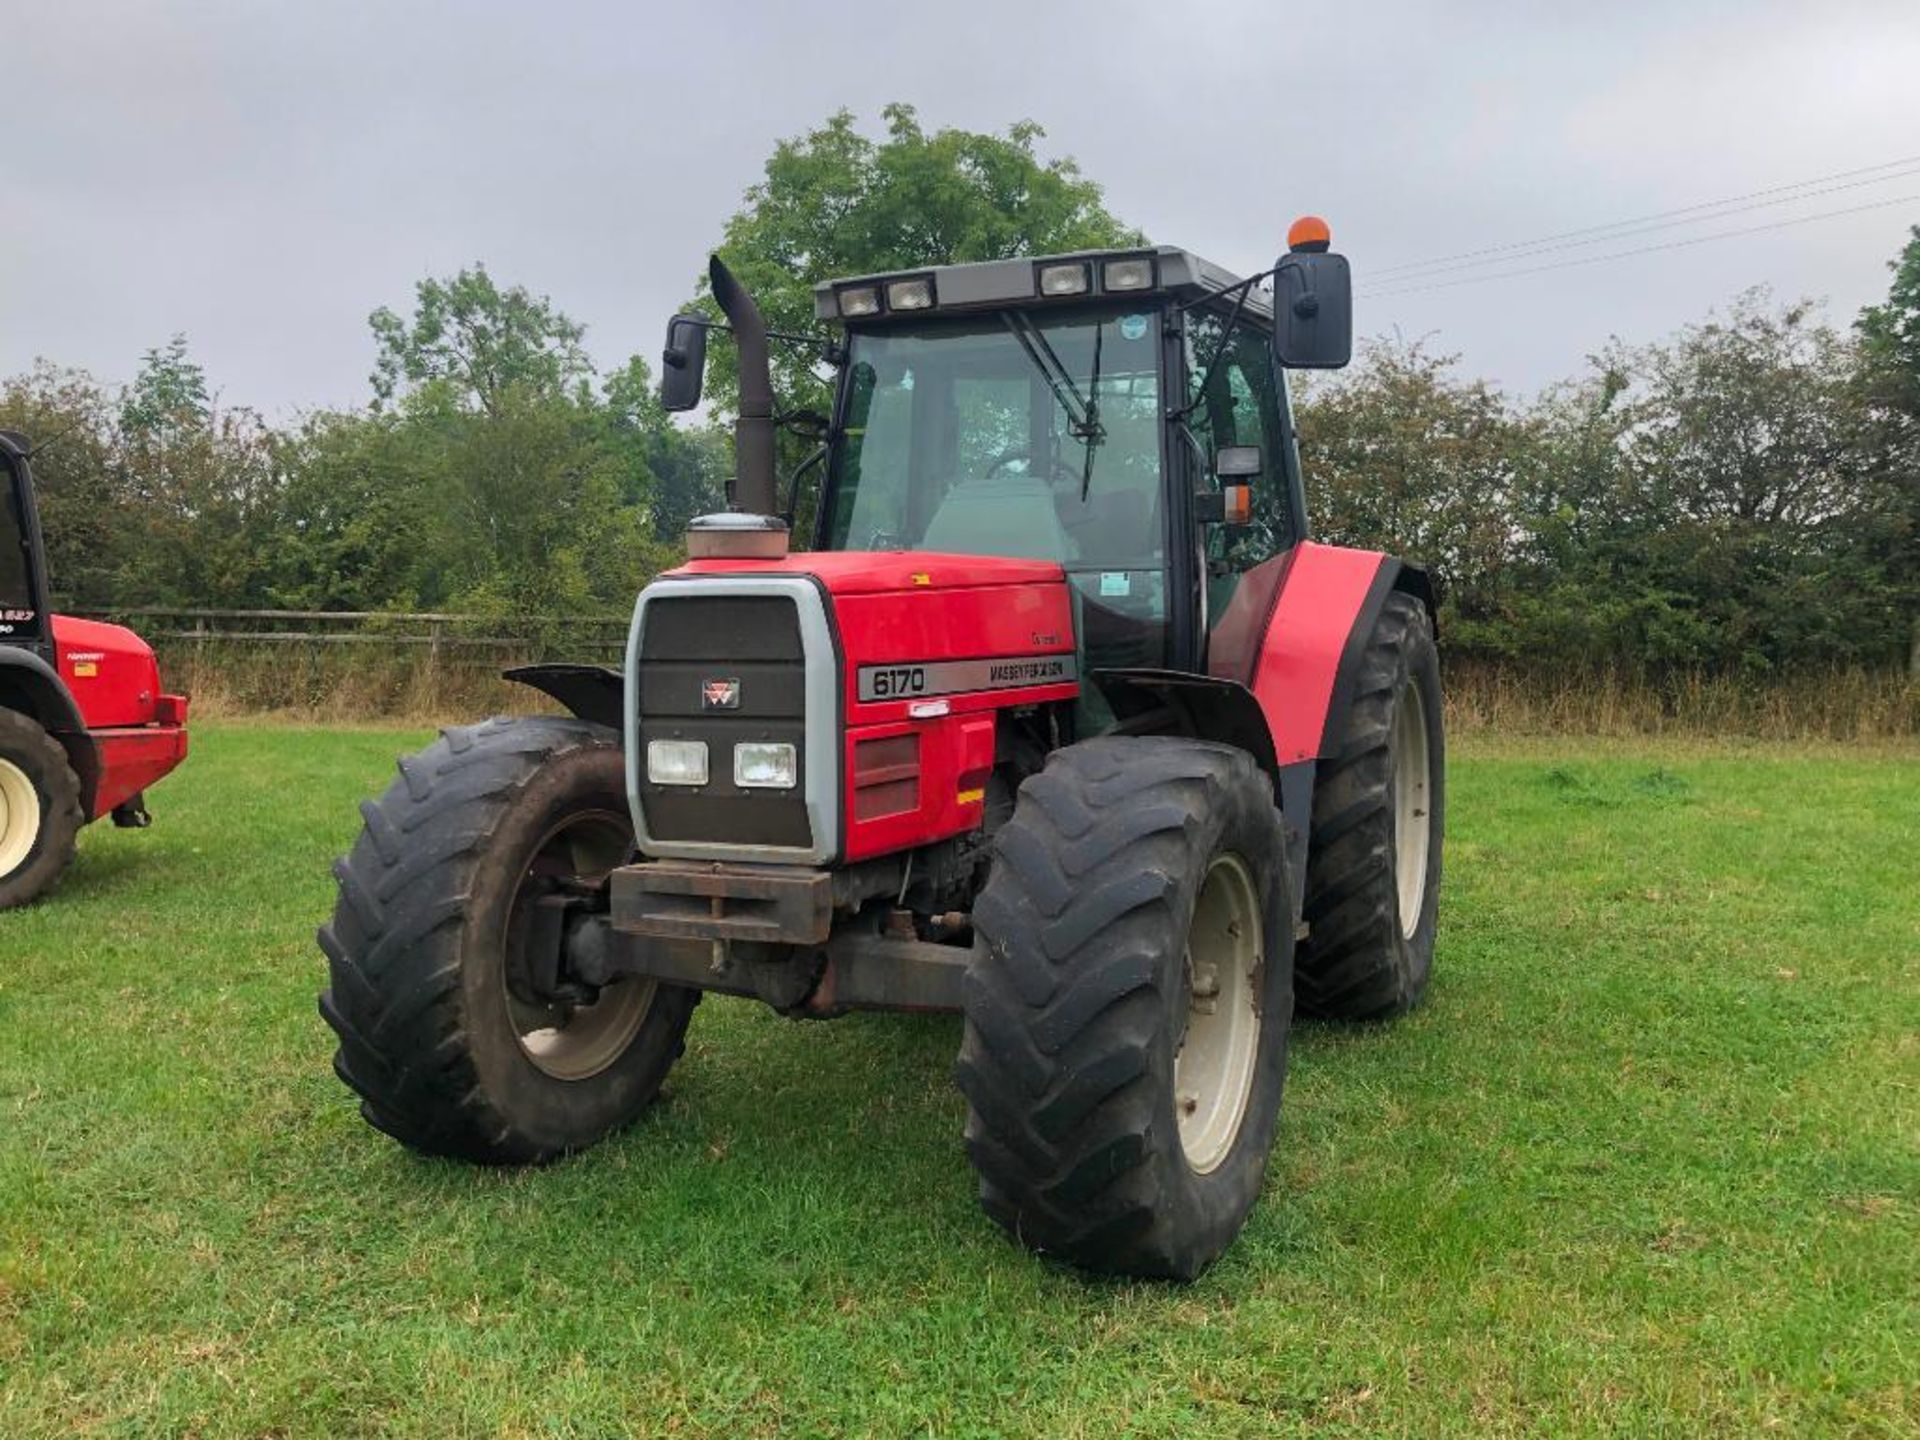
<point>677,762</point>
<point>859,300</point>
<point>765,767</point>
<point>1135,274</point>
<point>911,294</point>
<point>1063,279</point>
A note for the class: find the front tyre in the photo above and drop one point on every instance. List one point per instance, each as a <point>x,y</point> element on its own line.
<point>40,814</point>
<point>1379,810</point>
<point>1127,1014</point>
<point>444,1033</point>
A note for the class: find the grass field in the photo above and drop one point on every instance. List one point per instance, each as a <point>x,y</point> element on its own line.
<point>1647,1163</point>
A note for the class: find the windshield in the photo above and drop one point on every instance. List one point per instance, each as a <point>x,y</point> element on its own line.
<point>1019,434</point>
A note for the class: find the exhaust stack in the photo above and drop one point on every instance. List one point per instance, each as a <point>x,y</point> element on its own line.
<point>753,478</point>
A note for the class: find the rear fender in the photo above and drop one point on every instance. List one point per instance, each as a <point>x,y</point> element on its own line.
<point>595,693</point>
<point>32,687</point>
<point>1325,600</point>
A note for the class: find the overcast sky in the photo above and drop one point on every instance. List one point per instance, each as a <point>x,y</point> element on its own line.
<point>262,175</point>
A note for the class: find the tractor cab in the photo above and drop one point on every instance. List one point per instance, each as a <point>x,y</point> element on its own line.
<point>1123,413</point>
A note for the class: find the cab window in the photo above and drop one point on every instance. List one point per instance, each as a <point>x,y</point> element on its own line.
<point>1240,406</point>
<point>16,576</point>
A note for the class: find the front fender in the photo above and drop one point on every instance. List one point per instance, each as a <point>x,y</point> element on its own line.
<point>1205,706</point>
<point>595,693</point>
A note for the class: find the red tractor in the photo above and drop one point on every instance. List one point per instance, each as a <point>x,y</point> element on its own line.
<point>1062,722</point>
<point>84,727</point>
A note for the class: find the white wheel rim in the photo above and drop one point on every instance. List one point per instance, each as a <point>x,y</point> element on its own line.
<point>19,817</point>
<point>1412,806</point>
<point>1213,1068</point>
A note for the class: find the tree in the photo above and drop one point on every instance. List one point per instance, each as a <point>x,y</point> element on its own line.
<point>168,398</point>
<point>523,488</point>
<point>525,513</point>
<point>1405,456</point>
<point>1890,335</point>
<point>354,514</point>
<point>1890,383</point>
<point>70,418</point>
<point>834,202</point>
<point>1709,501</point>
<point>469,341</point>
<point>200,482</point>
<point>675,473</point>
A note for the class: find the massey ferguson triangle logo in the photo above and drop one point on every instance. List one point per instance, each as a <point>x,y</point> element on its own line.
<point>720,695</point>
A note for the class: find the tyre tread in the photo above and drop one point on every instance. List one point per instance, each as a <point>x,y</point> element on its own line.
<point>1351,965</point>
<point>1063,1001</point>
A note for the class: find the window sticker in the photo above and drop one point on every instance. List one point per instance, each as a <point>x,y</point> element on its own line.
<point>1132,327</point>
<point>1116,582</point>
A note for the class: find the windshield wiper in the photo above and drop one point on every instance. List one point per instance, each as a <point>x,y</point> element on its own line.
<point>1083,418</point>
<point>1094,433</point>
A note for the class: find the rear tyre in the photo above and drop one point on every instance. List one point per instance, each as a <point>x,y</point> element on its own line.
<point>40,815</point>
<point>1127,1014</point>
<point>441,1036</point>
<point>1379,808</point>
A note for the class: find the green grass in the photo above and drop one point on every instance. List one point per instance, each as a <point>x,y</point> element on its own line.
<point>1647,1163</point>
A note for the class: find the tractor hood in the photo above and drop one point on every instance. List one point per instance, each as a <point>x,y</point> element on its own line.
<point>859,572</point>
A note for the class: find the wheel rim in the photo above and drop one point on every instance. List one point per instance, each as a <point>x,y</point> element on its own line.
<point>566,1041</point>
<point>1213,1068</point>
<point>19,817</point>
<point>1412,806</point>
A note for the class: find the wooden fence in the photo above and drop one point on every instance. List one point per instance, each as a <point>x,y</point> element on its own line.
<point>364,627</point>
<point>353,663</point>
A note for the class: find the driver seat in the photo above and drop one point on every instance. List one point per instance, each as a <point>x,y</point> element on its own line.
<point>1011,516</point>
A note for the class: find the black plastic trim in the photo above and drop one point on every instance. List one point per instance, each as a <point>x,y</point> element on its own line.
<point>1209,707</point>
<point>592,692</point>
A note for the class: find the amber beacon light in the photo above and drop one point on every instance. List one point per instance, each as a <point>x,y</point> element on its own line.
<point>1309,233</point>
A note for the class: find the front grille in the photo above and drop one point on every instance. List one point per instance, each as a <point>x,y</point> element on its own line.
<point>692,649</point>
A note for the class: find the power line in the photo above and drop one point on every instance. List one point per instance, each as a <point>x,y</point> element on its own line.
<point>1605,232</point>
<point>1640,250</point>
<point>1539,248</point>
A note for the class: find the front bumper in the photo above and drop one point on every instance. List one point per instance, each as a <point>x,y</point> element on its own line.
<point>760,930</point>
<point>712,900</point>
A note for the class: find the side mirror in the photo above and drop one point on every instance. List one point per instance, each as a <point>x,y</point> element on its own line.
<point>1313,311</point>
<point>1236,462</point>
<point>1235,467</point>
<point>683,367</point>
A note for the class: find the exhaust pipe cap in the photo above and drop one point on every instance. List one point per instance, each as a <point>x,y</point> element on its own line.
<point>736,535</point>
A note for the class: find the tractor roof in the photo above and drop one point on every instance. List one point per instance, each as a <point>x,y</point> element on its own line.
<point>998,284</point>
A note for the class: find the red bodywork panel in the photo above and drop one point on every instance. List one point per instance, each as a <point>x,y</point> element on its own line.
<point>915,769</point>
<point>138,733</point>
<point>1283,635</point>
